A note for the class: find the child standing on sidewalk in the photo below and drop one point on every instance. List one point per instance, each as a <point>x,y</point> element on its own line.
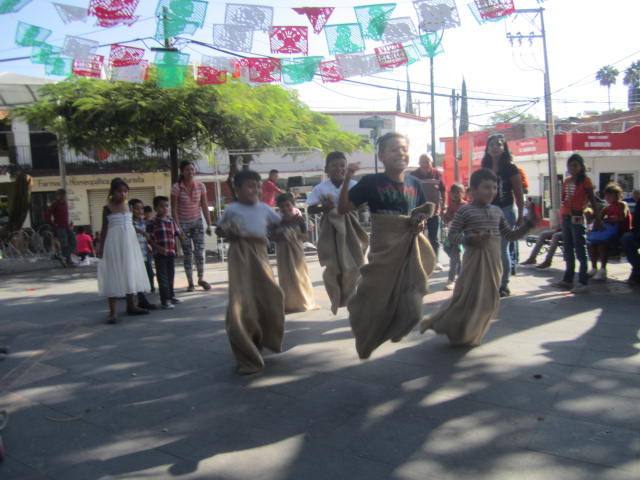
<point>577,192</point>
<point>293,274</point>
<point>456,200</point>
<point>140,225</point>
<point>121,272</point>
<point>387,303</point>
<point>255,314</point>
<point>163,230</point>
<point>480,226</point>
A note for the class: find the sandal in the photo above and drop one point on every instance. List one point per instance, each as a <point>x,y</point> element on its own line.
<point>205,285</point>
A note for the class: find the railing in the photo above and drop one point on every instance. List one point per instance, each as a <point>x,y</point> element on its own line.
<point>27,243</point>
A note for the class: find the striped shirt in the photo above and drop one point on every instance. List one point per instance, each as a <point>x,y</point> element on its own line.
<point>473,219</point>
<point>142,240</point>
<point>188,203</point>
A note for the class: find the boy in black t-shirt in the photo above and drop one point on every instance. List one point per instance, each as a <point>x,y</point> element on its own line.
<point>388,301</point>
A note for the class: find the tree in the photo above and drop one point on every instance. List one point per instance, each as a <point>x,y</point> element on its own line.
<point>607,76</point>
<point>129,118</point>
<point>126,118</point>
<point>511,116</point>
<point>632,80</point>
<point>464,110</point>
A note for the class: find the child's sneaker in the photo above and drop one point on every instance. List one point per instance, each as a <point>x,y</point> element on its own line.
<point>592,272</point>
<point>167,306</point>
<point>175,300</point>
<point>601,274</point>
<point>448,286</point>
<point>580,288</point>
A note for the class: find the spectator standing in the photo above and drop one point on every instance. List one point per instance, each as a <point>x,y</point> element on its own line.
<point>631,243</point>
<point>269,189</point>
<point>57,216</point>
<point>426,171</point>
<point>188,205</point>
<point>498,158</point>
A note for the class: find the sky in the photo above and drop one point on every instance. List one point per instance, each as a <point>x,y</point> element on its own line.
<point>582,36</point>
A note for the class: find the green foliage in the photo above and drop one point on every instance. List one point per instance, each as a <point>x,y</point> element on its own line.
<point>511,116</point>
<point>632,75</point>
<point>129,118</point>
<point>607,76</point>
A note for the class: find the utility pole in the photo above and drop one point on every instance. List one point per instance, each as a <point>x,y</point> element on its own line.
<point>554,190</point>
<point>454,117</point>
<point>433,112</point>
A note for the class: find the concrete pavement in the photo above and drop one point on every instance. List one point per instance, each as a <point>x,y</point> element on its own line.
<point>552,393</point>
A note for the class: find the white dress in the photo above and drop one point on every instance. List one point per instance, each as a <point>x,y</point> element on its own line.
<point>122,269</point>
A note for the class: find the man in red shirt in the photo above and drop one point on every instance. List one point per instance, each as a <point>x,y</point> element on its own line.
<point>269,189</point>
<point>427,172</point>
<point>57,216</point>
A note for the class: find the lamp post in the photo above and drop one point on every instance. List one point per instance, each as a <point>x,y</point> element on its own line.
<point>375,123</point>
<point>554,191</point>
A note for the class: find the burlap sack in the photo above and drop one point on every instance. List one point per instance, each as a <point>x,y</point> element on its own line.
<point>465,317</point>
<point>293,274</point>
<point>255,315</point>
<point>342,245</point>
<point>388,301</point>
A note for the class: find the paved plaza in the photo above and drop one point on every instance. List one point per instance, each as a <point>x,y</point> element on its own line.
<point>552,393</point>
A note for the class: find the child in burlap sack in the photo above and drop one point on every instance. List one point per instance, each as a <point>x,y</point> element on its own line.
<point>342,242</point>
<point>255,314</point>
<point>293,273</point>
<point>479,226</point>
<point>387,303</point>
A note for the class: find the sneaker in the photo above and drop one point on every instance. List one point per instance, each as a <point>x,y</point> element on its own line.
<point>504,292</point>
<point>563,285</point>
<point>592,272</point>
<point>601,274</point>
<point>580,288</point>
<point>167,306</point>
<point>175,300</point>
<point>448,286</point>
<point>438,268</point>
<point>204,284</point>
<point>544,264</point>
<point>528,261</point>
<point>191,288</point>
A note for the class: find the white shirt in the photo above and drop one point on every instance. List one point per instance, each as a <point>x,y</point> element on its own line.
<point>249,220</point>
<point>326,189</point>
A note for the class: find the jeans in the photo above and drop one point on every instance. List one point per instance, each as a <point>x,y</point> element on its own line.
<point>165,271</point>
<point>67,241</point>
<point>433,233</point>
<point>148,265</point>
<point>542,238</point>
<point>575,246</point>
<point>454,262</point>
<point>505,255</point>
<point>193,245</point>
<point>630,243</point>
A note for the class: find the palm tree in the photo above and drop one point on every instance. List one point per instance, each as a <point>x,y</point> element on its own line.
<point>632,79</point>
<point>607,76</point>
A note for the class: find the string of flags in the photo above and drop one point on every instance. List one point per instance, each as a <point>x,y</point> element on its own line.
<point>397,40</point>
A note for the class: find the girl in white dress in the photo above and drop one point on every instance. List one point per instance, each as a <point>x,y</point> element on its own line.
<point>121,272</point>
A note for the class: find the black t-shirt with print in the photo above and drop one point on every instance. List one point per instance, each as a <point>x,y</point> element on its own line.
<point>385,196</point>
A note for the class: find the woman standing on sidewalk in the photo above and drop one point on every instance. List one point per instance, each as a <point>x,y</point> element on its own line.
<point>498,158</point>
<point>188,205</point>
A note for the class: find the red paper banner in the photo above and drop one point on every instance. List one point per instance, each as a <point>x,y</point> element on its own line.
<point>289,40</point>
<point>317,16</point>
<point>330,71</point>
<point>113,12</point>
<point>123,56</point>
<point>88,68</point>
<point>211,76</point>
<point>391,56</point>
<point>264,70</point>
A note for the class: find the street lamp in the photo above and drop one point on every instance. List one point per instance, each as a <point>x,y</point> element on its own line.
<point>375,123</point>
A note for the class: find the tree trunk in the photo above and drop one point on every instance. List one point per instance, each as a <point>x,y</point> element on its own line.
<point>173,155</point>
